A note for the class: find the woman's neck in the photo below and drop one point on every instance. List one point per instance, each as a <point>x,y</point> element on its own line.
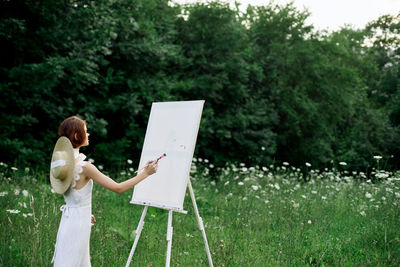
<point>76,152</point>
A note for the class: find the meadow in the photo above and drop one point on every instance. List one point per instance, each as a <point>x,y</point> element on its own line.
<point>253,216</point>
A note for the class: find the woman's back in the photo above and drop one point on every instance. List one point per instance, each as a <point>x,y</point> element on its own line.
<point>72,246</point>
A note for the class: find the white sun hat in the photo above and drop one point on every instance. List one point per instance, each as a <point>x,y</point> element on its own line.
<point>62,165</point>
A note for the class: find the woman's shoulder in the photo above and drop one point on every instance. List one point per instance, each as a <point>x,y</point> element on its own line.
<point>88,165</point>
<point>89,169</point>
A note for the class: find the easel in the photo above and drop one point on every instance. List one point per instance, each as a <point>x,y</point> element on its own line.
<point>170,231</point>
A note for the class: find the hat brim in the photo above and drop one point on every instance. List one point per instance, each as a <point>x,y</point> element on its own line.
<point>60,186</point>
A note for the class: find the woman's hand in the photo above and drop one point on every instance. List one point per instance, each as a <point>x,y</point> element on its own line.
<point>150,168</point>
<point>93,219</point>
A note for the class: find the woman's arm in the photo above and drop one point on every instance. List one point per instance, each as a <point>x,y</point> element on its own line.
<point>89,170</point>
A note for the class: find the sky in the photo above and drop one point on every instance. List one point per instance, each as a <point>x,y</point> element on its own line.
<point>332,14</point>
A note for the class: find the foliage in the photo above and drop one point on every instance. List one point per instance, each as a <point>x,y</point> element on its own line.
<point>275,88</point>
<point>384,90</point>
<point>335,219</point>
<point>220,65</point>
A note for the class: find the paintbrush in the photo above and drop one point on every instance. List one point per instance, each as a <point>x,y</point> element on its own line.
<point>152,162</point>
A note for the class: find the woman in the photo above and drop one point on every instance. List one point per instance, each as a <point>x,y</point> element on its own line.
<point>72,245</point>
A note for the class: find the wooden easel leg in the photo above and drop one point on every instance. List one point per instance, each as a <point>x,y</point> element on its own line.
<point>138,232</point>
<point>200,222</point>
<point>169,238</point>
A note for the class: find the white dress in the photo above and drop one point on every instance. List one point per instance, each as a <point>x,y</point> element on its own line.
<point>72,245</point>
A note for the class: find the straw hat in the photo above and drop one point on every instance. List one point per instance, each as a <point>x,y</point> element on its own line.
<point>62,165</point>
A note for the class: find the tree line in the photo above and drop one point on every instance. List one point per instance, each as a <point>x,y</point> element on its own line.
<point>276,89</point>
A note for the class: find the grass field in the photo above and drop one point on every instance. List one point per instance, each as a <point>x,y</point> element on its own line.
<point>257,216</point>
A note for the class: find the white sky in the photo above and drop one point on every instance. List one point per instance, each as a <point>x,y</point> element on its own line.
<point>332,14</point>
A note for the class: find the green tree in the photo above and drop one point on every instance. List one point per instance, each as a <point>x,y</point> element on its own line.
<point>237,122</point>
<point>85,58</point>
<point>383,41</point>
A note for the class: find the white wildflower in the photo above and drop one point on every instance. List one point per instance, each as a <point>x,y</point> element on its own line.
<point>296,205</point>
<point>131,169</point>
<point>303,196</point>
<point>23,204</point>
<point>308,164</point>
<point>363,213</point>
<point>323,197</point>
<point>244,199</point>
<point>14,168</point>
<point>382,175</point>
<point>368,195</point>
<point>377,157</point>
<point>213,183</point>
<point>129,161</point>
<point>313,192</point>
<point>277,186</point>
<point>255,188</point>
<point>226,183</point>
<point>309,222</point>
<point>342,163</point>
<point>25,193</point>
<point>16,192</point>
<point>240,183</point>
<point>388,65</point>
<point>2,194</point>
<point>285,163</point>
<point>13,211</point>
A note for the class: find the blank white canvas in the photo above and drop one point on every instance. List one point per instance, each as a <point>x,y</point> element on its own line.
<point>172,129</point>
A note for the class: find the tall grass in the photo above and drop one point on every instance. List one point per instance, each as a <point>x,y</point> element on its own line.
<point>257,216</point>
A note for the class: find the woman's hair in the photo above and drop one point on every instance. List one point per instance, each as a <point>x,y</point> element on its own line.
<point>74,128</point>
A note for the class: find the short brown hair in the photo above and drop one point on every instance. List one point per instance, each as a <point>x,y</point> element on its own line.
<point>74,129</point>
